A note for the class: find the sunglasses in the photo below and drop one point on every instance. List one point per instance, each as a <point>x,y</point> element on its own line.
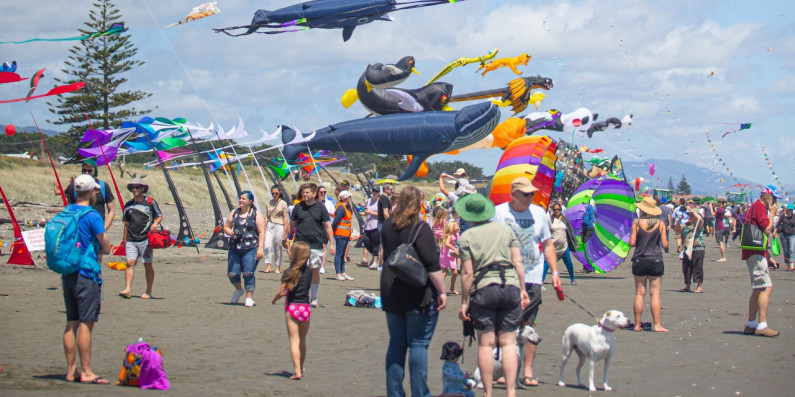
<point>275,193</point>
<point>322,192</point>
<point>556,209</point>
<point>88,170</point>
<point>525,194</point>
<point>136,187</point>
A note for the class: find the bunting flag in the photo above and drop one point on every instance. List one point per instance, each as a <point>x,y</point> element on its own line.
<point>719,158</point>
<point>766,159</point>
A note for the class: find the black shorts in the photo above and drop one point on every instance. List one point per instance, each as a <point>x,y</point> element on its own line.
<point>82,297</point>
<point>374,240</point>
<point>531,311</point>
<point>645,267</point>
<point>495,307</point>
<point>721,235</point>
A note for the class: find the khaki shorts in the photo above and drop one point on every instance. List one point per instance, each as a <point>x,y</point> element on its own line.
<point>315,258</point>
<point>760,275</point>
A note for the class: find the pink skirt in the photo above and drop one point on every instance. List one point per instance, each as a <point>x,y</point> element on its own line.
<point>299,311</point>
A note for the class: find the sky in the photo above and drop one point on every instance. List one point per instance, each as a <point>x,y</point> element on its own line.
<point>681,68</point>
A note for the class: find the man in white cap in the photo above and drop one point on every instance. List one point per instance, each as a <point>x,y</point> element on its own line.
<point>82,289</point>
<point>530,223</point>
<point>141,216</point>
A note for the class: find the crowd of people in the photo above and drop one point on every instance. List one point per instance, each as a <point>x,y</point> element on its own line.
<point>497,258</point>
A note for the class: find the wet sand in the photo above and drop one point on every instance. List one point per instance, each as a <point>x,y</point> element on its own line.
<point>211,347</point>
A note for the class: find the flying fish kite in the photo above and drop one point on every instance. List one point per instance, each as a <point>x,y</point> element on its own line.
<point>326,14</point>
<point>198,12</point>
<point>116,28</point>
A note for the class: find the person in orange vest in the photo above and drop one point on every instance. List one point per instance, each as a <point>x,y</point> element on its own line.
<point>342,226</point>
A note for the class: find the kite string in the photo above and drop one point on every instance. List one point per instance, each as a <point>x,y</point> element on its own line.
<point>57,179</point>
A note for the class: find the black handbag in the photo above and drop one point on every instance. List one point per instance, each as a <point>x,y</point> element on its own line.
<point>404,262</point>
<point>752,238</point>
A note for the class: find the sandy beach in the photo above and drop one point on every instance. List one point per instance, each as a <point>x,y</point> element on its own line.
<point>211,347</point>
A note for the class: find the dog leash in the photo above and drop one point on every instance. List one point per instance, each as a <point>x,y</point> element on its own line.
<point>580,306</point>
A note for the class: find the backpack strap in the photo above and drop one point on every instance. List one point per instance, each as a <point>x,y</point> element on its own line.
<point>501,266</point>
<point>415,232</point>
<point>91,248</point>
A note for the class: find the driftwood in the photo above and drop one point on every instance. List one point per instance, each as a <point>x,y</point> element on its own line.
<point>22,203</point>
<point>128,172</point>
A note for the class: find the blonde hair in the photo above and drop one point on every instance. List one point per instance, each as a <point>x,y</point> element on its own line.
<point>449,230</point>
<point>299,255</point>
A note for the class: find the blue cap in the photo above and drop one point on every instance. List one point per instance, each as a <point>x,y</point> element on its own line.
<point>791,206</point>
<point>663,200</point>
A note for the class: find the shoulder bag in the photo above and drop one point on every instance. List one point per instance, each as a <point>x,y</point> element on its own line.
<point>405,263</point>
<point>752,237</point>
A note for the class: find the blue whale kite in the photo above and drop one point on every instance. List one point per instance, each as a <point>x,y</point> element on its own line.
<point>417,134</point>
<point>327,14</point>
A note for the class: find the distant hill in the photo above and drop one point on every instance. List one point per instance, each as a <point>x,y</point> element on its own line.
<point>33,129</point>
<point>702,181</point>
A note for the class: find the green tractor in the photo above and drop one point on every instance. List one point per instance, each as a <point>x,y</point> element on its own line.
<point>736,197</point>
<point>657,193</point>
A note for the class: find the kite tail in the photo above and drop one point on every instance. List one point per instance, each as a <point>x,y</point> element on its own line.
<point>57,179</point>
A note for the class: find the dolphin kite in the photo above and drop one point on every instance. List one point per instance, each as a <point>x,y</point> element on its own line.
<point>417,134</point>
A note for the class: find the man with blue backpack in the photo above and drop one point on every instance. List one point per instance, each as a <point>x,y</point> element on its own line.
<point>73,239</point>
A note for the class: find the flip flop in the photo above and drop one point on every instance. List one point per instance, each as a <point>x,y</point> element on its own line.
<point>531,382</point>
<point>125,295</point>
<point>76,379</point>
<point>685,290</point>
<point>146,296</point>
<point>698,291</point>
<point>96,381</point>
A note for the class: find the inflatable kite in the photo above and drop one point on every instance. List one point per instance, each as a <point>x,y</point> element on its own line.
<point>517,94</point>
<point>418,134</point>
<point>326,14</point>
<point>375,91</point>
<point>505,63</point>
<point>610,123</point>
<point>463,62</point>
<point>578,120</point>
<point>530,156</point>
<point>9,68</point>
<point>116,28</point>
<point>10,77</point>
<point>198,12</point>
<point>615,210</point>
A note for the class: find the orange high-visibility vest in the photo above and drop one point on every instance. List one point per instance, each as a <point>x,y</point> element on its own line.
<point>344,228</point>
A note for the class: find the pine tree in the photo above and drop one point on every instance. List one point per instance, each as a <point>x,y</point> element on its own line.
<point>99,62</point>
<point>670,183</point>
<point>683,187</point>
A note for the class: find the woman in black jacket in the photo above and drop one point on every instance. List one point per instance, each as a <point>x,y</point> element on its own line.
<point>411,312</point>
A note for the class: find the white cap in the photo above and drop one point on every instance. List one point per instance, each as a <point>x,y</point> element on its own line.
<point>85,183</point>
<point>344,194</point>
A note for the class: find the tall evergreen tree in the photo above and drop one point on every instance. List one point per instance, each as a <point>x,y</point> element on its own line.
<point>671,183</point>
<point>683,187</point>
<point>100,63</point>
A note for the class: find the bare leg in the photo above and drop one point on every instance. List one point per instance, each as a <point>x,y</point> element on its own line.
<point>753,305</point>
<point>303,329</point>
<point>452,282</point>
<point>529,357</point>
<point>150,277</point>
<point>295,345</point>
<point>84,349</point>
<point>510,361</point>
<point>722,248</point>
<point>655,285</point>
<point>640,294</point>
<point>70,349</point>
<point>764,301</point>
<point>486,360</point>
<point>129,274</point>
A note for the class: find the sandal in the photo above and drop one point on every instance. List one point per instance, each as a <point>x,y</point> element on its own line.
<point>96,381</point>
<point>146,296</point>
<point>685,290</point>
<point>530,381</point>
<point>125,295</point>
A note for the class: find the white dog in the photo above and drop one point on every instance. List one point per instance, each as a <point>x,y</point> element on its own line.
<point>526,334</point>
<point>593,343</point>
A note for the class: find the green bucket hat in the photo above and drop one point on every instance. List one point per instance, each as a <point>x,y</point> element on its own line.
<point>474,207</point>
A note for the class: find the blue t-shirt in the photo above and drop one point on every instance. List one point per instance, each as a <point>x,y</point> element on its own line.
<point>89,226</point>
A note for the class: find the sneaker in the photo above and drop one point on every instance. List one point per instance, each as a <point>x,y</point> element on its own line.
<point>749,330</point>
<point>322,270</point>
<point>250,302</point>
<point>766,332</point>
<point>314,303</point>
<point>574,283</point>
<point>543,288</point>
<point>347,277</point>
<point>237,294</point>
<point>340,277</point>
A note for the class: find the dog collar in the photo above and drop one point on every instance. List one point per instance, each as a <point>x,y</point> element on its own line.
<point>605,328</point>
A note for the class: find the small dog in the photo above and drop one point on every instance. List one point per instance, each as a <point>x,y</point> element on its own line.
<point>526,334</point>
<point>593,343</point>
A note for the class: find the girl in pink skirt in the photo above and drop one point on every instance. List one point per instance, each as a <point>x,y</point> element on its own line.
<point>448,253</point>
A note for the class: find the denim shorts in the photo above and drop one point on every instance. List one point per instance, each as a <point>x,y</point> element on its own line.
<point>81,297</point>
<point>496,307</point>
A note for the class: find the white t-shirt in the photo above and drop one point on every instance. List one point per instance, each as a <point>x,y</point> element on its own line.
<point>531,228</point>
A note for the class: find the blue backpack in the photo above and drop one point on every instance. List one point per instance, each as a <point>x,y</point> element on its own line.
<point>61,242</point>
